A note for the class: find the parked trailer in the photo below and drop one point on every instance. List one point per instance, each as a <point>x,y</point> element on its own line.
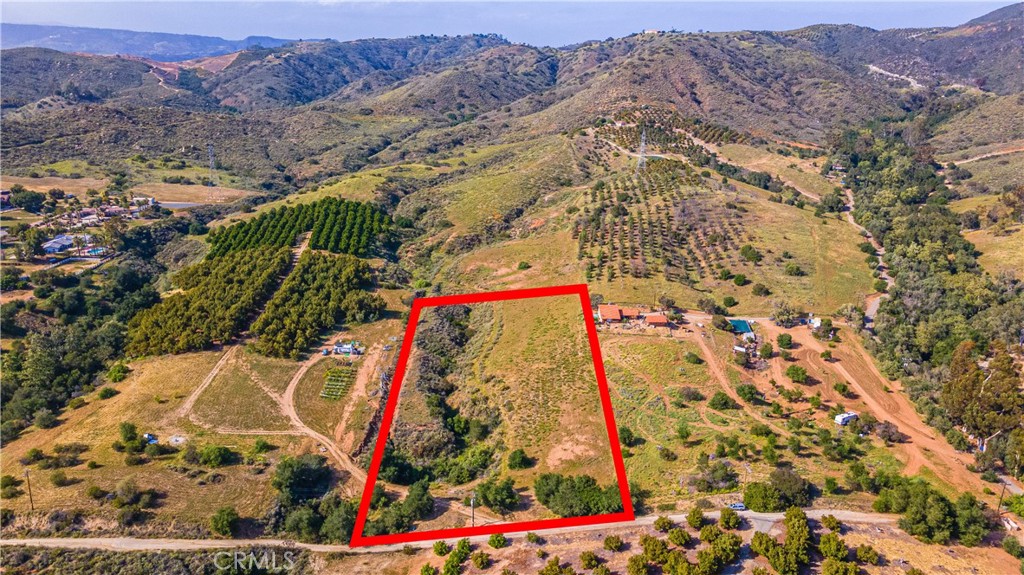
<point>846,418</point>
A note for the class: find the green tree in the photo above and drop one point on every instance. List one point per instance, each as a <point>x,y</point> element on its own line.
<point>303,523</point>
<point>721,401</point>
<point>626,436</point>
<point>867,554</point>
<point>831,545</point>
<point>301,478</point>
<point>785,341</point>
<point>796,374</point>
<point>663,524</point>
<point>833,566</point>
<point>762,497</point>
<point>223,521</point>
<point>215,455</point>
<point>519,460</point>
<point>695,518</point>
<point>729,519</point>
<point>27,200</point>
<point>678,536</point>
<point>637,565</point>
<point>683,431</point>
<point>613,543</point>
<point>498,495</point>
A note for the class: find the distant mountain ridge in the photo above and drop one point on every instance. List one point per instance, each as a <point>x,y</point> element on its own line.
<point>154,45</point>
<point>313,108</point>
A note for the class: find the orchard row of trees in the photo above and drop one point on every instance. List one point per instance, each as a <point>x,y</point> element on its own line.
<point>337,225</point>
<point>322,291</point>
<point>661,222</point>
<point>218,298</point>
<point>665,127</point>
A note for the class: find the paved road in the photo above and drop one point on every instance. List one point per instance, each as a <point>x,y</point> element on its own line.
<point>760,522</point>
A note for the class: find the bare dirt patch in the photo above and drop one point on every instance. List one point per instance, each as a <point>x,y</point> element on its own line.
<point>569,449</point>
<point>43,185</point>
<point>189,194</point>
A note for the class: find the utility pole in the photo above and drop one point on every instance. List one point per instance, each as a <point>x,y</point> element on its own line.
<point>213,165</point>
<point>999,506</point>
<point>28,481</point>
<point>472,508</point>
<point>642,162</point>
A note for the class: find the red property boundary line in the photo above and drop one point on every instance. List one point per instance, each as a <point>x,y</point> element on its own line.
<point>627,514</point>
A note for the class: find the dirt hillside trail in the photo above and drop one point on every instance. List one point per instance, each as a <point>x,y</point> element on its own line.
<point>925,447</point>
<point>255,377</point>
<point>288,408</point>
<point>614,352</point>
<point>359,394</point>
<point>873,300</point>
<point>186,407</point>
<point>718,370</point>
<point>994,154</point>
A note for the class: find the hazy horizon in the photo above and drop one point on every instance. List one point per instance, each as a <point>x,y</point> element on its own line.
<point>536,23</point>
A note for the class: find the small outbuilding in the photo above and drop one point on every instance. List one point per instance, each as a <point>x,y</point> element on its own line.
<point>346,348</point>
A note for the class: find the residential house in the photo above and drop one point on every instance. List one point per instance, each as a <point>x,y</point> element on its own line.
<point>609,313</point>
<point>630,313</point>
<point>58,244</point>
<point>656,320</point>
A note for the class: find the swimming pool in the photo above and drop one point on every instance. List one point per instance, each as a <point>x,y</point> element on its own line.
<point>741,326</point>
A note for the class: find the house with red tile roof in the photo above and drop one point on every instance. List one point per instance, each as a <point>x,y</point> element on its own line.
<point>609,313</point>
<point>656,319</point>
<point>630,313</point>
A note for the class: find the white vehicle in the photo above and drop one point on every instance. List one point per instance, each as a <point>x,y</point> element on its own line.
<point>846,418</point>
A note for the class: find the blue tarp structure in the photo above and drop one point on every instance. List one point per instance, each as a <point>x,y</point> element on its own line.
<point>740,326</point>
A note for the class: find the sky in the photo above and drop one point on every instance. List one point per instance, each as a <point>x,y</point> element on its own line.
<point>531,22</point>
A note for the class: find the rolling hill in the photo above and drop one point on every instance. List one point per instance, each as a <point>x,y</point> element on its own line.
<point>155,45</point>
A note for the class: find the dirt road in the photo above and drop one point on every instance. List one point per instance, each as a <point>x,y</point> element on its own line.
<point>288,408</point>
<point>186,408</point>
<point>715,366</point>
<point>359,393</point>
<point>760,522</point>
<point>874,300</point>
<point>994,154</point>
<point>852,364</point>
